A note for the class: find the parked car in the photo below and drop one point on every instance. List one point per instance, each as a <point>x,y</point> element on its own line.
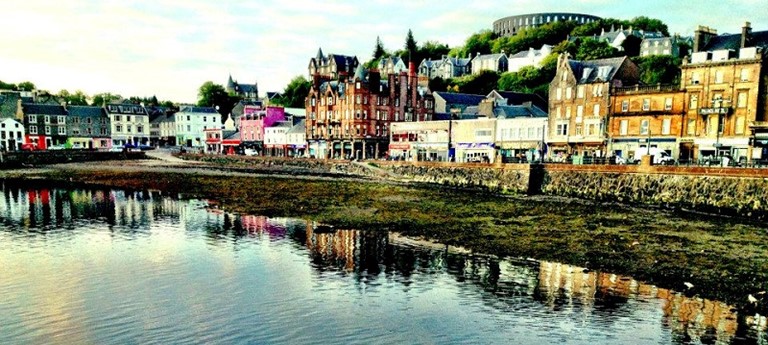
<point>660,157</point>
<point>250,152</point>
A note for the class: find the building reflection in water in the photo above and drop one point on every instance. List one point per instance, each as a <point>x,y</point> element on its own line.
<point>372,255</point>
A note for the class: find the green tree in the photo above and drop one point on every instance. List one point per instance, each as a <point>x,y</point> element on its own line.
<point>77,98</point>
<point>658,69</point>
<point>480,42</point>
<point>433,50</point>
<point>7,86</point>
<point>591,49</point>
<point>649,24</point>
<point>631,45</point>
<point>478,84</point>
<point>104,98</point>
<point>438,84</point>
<point>295,93</point>
<point>411,48</point>
<point>26,86</point>
<point>214,95</point>
<point>378,53</point>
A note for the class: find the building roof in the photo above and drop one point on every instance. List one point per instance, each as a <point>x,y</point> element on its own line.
<point>512,111</point>
<point>126,108</point>
<point>230,134</point>
<point>43,109</point>
<point>272,95</point>
<point>520,98</point>
<point>193,109</point>
<point>86,111</point>
<point>492,57</point>
<point>600,70</point>
<point>299,127</point>
<point>459,98</point>
<point>282,124</point>
<point>756,39</point>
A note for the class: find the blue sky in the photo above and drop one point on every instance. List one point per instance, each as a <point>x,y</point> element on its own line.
<point>169,48</point>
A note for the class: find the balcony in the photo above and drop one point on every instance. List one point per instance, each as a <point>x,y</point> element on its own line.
<point>645,89</point>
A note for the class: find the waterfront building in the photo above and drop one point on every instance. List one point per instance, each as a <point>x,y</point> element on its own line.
<point>498,63</point>
<point>11,135</point>
<point>219,140</point>
<point>167,124</point>
<point>253,122</point>
<point>231,143</point>
<point>647,117</point>
<point>521,130</point>
<point>297,139</point>
<point>191,123</point>
<point>276,139</point>
<point>129,124</point>
<point>421,141</point>
<point>44,124</point>
<point>351,117</point>
<point>88,127</point>
<point>474,140</point>
<point>240,109</point>
<point>511,25</point>
<point>579,103</point>
<point>530,57</point>
<point>725,81</point>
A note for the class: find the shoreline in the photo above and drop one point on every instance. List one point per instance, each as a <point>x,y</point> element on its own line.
<point>723,258</point>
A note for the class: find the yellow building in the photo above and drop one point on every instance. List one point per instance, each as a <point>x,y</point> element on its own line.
<point>725,88</point>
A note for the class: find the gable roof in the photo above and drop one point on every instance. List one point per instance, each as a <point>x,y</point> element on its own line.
<point>43,109</point>
<point>193,109</point>
<point>589,71</point>
<point>459,98</point>
<point>298,128</point>
<point>272,95</point>
<point>489,57</point>
<point>756,39</point>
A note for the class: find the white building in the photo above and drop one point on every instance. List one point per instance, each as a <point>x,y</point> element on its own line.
<point>276,138</point>
<point>191,123</point>
<point>530,57</point>
<point>130,124</point>
<point>297,139</point>
<point>11,135</point>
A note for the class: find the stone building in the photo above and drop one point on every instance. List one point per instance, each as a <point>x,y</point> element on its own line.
<point>351,117</point>
<point>510,26</point>
<point>332,66</point>
<point>44,124</point>
<point>645,117</point>
<point>498,63</point>
<point>725,81</point>
<point>245,91</point>
<point>579,102</point>
<point>88,127</point>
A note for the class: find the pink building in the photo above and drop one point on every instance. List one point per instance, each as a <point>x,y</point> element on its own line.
<point>252,124</point>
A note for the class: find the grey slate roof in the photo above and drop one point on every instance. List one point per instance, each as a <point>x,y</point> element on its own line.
<point>43,109</point>
<point>300,127</point>
<point>192,109</point>
<point>757,39</point>
<point>492,57</point>
<point>230,134</point>
<point>85,111</point>
<point>593,66</point>
<point>460,98</point>
<point>508,112</point>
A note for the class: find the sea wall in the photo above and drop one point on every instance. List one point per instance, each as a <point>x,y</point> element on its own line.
<point>504,178</point>
<point>17,159</point>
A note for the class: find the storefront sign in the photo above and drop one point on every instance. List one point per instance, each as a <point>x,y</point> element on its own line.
<point>710,111</point>
<point>476,145</point>
<point>399,146</point>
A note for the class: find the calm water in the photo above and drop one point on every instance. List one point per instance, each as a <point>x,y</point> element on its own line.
<point>112,267</point>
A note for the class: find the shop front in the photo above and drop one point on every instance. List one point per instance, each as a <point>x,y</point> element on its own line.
<point>400,152</point>
<point>475,152</point>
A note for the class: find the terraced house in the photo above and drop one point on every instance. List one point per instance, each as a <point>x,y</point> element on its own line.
<point>88,127</point>
<point>44,124</point>
<point>191,123</point>
<point>725,82</point>
<point>579,102</point>
<point>129,124</point>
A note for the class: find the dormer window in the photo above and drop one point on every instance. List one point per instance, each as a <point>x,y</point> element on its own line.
<point>586,73</point>
<point>603,72</point>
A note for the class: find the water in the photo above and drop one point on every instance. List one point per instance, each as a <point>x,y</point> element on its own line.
<point>113,267</point>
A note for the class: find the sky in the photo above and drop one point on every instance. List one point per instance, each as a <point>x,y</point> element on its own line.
<point>168,48</point>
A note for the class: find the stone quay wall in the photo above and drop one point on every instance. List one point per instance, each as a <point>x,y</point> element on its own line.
<point>503,178</point>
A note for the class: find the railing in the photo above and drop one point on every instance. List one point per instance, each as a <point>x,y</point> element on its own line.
<point>645,88</point>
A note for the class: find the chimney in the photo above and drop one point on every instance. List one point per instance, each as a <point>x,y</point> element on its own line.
<point>411,69</point>
<point>701,37</point>
<point>746,34</point>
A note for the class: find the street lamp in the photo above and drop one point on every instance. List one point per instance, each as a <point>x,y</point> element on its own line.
<point>718,106</point>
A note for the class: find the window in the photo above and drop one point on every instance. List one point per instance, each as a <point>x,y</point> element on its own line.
<point>741,100</point>
<point>568,92</point>
<point>666,126</point>
<point>695,78</point>
<point>559,112</point>
<point>62,130</point>
<point>48,130</point>
<point>32,118</point>
<point>60,120</point>
<point>744,74</point>
<point>118,128</point>
<point>691,127</point>
<point>694,101</point>
<point>739,125</point>
<point>358,99</point>
<point>718,77</point>
<point>623,127</point>
<point>579,112</point>
<point>668,104</point>
<point>47,119</point>
<point>625,106</point>
<point>32,129</point>
<point>128,128</point>
<point>483,133</point>
<point>580,91</point>
<point>117,117</point>
<point>596,110</point>
<point>567,112</point>
<point>205,118</point>
<point>188,118</point>
<point>139,129</point>
<point>579,130</point>
<point>559,93</point>
<point>646,104</point>
<point>562,129</point>
<point>591,129</point>
<point>644,127</point>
